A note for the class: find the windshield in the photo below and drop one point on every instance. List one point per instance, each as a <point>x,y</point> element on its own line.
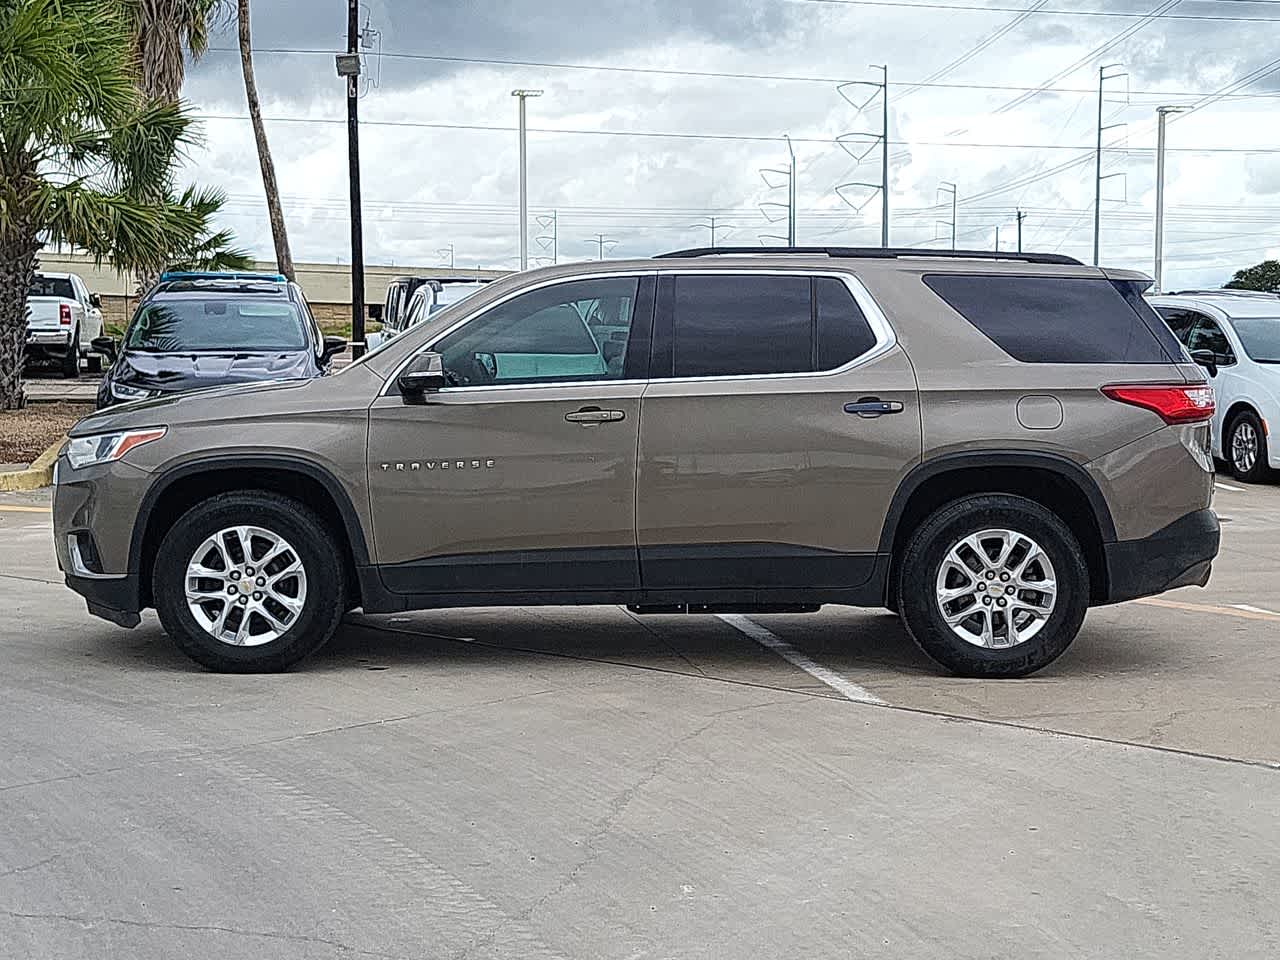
<point>1260,337</point>
<point>216,324</point>
<point>51,287</point>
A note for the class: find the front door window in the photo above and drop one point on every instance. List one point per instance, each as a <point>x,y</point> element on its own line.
<point>576,331</point>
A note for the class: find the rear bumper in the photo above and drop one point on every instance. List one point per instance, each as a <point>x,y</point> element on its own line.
<point>1179,555</point>
<point>48,343</point>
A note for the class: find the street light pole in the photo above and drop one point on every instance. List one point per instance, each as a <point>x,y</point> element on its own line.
<point>791,199</point>
<point>1161,114</point>
<point>522,96</point>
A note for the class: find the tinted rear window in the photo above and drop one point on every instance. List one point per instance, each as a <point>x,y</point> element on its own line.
<point>740,325</point>
<point>1053,319</point>
<point>51,287</point>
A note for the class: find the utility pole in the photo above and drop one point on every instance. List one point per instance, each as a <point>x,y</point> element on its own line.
<point>1021,216</point>
<point>712,225</point>
<point>601,241</point>
<point>522,96</point>
<point>884,161</point>
<point>1161,114</point>
<point>791,197</point>
<point>946,186</point>
<point>1103,77</point>
<point>446,252</point>
<point>349,67</point>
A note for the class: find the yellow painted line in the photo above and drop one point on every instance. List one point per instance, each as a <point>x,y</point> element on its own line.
<point>1214,609</point>
<point>18,508</point>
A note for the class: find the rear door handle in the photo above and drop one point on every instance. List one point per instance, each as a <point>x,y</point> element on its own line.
<point>871,407</point>
<point>593,415</point>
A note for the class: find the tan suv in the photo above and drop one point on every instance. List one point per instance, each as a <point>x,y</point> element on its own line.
<point>987,444</point>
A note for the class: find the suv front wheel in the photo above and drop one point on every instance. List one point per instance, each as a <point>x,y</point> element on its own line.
<point>249,582</point>
<point>993,586</point>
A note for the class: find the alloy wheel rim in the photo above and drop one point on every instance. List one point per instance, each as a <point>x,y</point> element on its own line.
<point>246,586</point>
<point>1244,446</point>
<point>996,588</point>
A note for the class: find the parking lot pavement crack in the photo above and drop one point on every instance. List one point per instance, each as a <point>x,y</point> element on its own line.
<point>14,576</point>
<point>617,807</point>
<point>90,920</point>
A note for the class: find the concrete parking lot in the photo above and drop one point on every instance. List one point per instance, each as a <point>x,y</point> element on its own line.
<point>582,783</point>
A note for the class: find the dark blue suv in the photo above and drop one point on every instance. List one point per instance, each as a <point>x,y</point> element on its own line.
<point>196,330</point>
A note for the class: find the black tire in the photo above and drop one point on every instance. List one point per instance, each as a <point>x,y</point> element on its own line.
<point>1247,423</point>
<point>93,362</point>
<point>922,562</point>
<point>71,359</point>
<point>319,553</point>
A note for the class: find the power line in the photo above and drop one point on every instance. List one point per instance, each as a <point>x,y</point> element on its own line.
<point>743,138</point>
<point>711,74</point>
<point>1058,12</point>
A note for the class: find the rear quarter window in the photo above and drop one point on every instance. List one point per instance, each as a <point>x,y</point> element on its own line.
<point>1054,319</point>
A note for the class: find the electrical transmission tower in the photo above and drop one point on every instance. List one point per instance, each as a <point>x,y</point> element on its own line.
<point>550,240</point>
<point>1110,71</point>
<point>601,241</point>
<point>945,188</point>
<point>769,206</point>
<point>713,225</point>
<point>861,144</point>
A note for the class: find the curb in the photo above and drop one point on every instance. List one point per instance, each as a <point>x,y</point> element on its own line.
<point>39,474</point>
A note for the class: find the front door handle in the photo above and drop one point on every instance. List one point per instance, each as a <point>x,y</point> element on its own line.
<point>871,407</point>
<point>589,416</point>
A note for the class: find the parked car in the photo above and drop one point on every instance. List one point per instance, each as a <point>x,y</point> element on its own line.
<point>986,443</point>
<point>428,296</point>
<point>203,330</point>
<point>63,320</point>
<point>1235,335</point>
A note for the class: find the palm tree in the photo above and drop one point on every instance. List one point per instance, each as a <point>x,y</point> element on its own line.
<point>164,33</point>
<point>207,249</point>
<point>78,151</point>
<point>284,259</point>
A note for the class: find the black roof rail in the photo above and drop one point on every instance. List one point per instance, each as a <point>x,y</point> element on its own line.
<point>874,253</point>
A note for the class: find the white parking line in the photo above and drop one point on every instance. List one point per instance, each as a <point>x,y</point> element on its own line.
<point>1226,486</point>
<point>1250,609</point>
<point>766,638</point>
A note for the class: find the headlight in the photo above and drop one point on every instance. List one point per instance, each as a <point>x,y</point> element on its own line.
<point>124,392</point>
<point>106,447</point>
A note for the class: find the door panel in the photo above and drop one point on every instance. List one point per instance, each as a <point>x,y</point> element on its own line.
<point>767,481</point>
<point>493,489</point>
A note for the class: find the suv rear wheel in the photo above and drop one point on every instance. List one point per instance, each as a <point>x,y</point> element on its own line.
<point>1247,448</point>
<point>993,586</point>
<point>249,582</point>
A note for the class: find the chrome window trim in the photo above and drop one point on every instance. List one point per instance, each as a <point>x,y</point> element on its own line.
<point>886,338</point>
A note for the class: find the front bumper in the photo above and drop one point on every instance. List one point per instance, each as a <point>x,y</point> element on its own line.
<point>1179,555</point>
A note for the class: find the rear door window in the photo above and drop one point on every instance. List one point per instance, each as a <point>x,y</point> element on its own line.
<point>1054,319</point>
<point>743,325</point>
<point>1180,322</point>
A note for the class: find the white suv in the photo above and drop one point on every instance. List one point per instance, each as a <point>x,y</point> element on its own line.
<point>1235,334</point>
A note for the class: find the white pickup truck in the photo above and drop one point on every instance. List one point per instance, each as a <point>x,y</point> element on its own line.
<point>64,319</point>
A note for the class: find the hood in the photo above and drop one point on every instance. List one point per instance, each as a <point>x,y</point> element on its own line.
<point>190,371</point>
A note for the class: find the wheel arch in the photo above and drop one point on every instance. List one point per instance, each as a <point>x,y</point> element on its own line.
<point>181,487</point>
<point>1238,406</point>
<point>1052,481</point>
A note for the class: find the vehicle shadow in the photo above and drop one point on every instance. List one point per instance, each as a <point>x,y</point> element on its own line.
<point>861,643</point>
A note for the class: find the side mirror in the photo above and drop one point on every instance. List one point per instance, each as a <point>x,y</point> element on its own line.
<point>109,347</point>
<point>424,373</point>
<point>1206,359</point>
<point>95,301</point>
<point>611,350</point>
<point>375,312</point>
<point>332,347</point>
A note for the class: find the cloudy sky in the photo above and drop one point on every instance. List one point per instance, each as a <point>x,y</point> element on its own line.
<point>647,148</point>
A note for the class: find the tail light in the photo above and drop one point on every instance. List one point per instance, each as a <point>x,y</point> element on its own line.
<point>1172,403</point>
<point>64,315</point>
